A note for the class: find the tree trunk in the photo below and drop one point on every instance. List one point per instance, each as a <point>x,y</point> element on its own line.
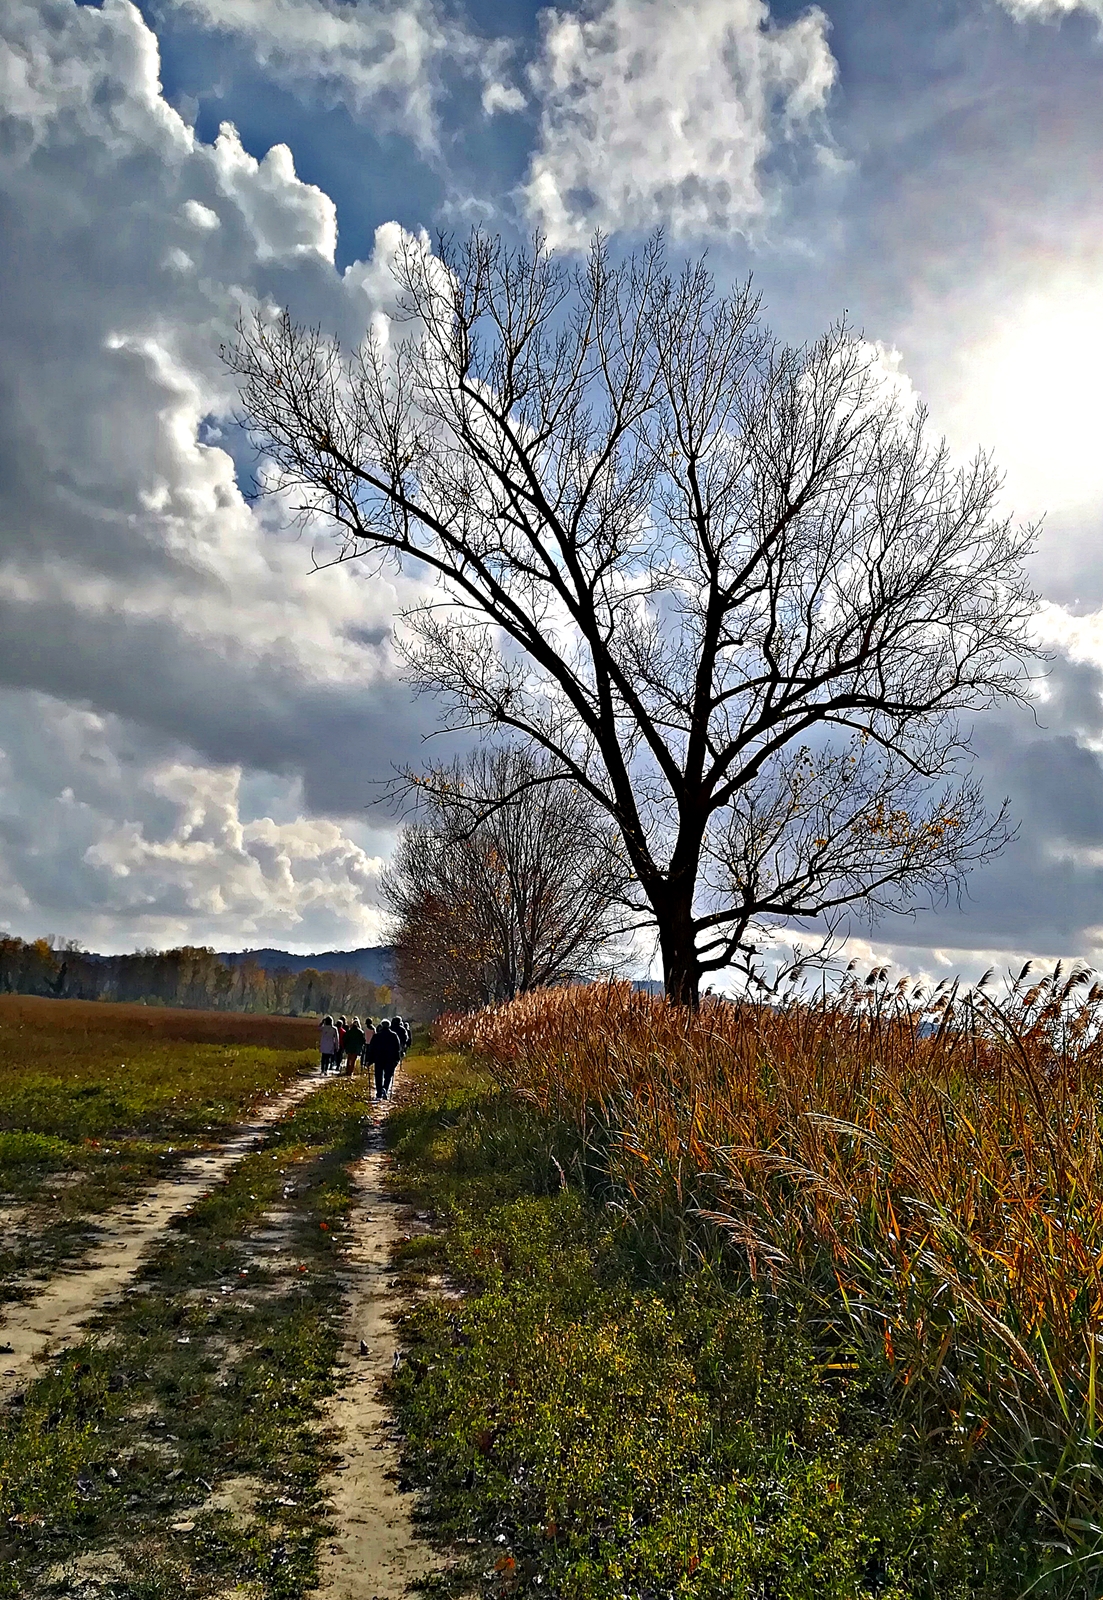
<point>678,946</point>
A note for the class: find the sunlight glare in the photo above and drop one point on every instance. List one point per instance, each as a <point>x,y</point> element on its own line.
<point>1032,394</point>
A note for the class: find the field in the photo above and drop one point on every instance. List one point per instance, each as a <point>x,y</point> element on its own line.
<point>903,1193</point>
<point>175,1450</point>
<point>604,1428</point>
<point>793,1302</point>
<point>97,1099</point>
<point>174,1446</point>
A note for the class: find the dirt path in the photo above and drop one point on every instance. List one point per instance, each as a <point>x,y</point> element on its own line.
<point>377,1555</point>
<point>72,1297</point>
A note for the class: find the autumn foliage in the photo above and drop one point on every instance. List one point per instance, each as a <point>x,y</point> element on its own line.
<point>921,1174</point>
<point>191,977</point>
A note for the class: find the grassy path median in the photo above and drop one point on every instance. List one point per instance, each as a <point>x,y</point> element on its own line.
<point>176,1451</point>
<point>100,1101</point>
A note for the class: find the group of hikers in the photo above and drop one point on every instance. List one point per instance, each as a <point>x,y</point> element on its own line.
<point>346,1045</point>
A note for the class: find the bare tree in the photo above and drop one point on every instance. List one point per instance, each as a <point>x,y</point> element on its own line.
<point>728,586</point>
<point>507,882</point>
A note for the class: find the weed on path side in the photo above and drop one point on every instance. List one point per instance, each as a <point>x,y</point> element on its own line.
<point>177,1451</point>
<point>607,1428</point>
<point>97,1101</point>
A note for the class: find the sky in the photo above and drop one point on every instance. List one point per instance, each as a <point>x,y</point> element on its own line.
<point>196,725</point>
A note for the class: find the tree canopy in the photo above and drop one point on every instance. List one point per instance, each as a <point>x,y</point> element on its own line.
<point>506,882</point>
<point>730,587</point>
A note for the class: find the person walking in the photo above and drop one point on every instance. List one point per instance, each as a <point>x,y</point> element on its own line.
<point>402,1038</point>
<point>329,1045</point>
<point>385,1053</point>
<point>353,1044</point>
<point>369,1035</point>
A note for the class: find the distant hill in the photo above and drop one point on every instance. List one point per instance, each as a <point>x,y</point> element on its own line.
<point>375,962</point>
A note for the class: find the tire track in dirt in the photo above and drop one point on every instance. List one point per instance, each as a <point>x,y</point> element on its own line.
<point>70,1299</point>
<point>376,1554</point>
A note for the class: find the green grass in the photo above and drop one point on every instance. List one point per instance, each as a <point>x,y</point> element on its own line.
<point>611,1428</point>
<point>97,1101</point>
<point>212,1371</point>
<point>89,1072</point>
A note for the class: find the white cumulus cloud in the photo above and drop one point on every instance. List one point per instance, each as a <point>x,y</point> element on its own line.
<point>190,720</point>
<point>1024,9</point>
<point>111,836</point>
<point>388,57</point>
<point>661,113</point>
<point>213,867</point>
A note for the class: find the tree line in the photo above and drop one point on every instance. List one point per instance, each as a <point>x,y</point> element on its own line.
<point>192,976</point>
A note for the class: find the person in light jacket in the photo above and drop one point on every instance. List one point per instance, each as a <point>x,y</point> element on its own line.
<point>329,1045</point>
<point>369,1035</point>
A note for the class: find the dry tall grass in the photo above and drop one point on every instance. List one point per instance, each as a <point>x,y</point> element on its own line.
<point>923,1175</point>
<point>88,1022</point>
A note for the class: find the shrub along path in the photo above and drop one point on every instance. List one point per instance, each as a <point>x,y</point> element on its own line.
<point>600,1421</point>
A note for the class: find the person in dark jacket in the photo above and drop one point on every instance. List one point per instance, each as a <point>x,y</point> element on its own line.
<point>386,1050</point>
<point>353,1044</point>
<point>402,1034</point>
<point>371,1049</point>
